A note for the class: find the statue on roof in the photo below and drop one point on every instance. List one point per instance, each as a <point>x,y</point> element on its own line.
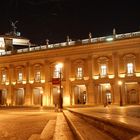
<point>13,24</point>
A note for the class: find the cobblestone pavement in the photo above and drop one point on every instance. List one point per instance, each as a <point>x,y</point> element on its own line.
<point>20,124</point>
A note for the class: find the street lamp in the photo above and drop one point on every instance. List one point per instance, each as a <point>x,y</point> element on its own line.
<point>59,67</point>
<point>41,93</point>
<point>120,86</point>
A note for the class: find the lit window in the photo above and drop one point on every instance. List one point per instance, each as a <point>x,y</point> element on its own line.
<point>37,76</point>
<point>20,76</point>
<point>3,76</point>
<point>79,73</point>
<point>103,70</point>
<point>130,68</point>
<point>56,72</point>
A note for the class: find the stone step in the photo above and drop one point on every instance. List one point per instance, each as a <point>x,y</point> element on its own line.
<point>47,133</point>
<point>117,129</point>
<point>62,130</point>
<point>55,130</point>
<point>84,130</point>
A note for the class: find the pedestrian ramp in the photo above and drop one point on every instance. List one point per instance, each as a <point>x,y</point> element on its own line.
<point>55,130</point>
<point>84,130</point>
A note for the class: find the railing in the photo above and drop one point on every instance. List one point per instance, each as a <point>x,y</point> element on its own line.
<point>72,43</point>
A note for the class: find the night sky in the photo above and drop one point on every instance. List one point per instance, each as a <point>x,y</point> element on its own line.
<point>55,19</point>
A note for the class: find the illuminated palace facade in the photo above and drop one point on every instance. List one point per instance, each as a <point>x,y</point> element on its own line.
<point>95,71</point>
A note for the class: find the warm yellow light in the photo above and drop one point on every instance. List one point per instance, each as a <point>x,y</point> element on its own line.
<point>13,83</point>
<point>24,82</point>
<point>119,82</point>
<point>42,81</point>
<point>109,39</point>
<point>31,82</point>
<point>137,74</point>
<point>111,76</point>
<point>107,86</point>
<point>72,79</point>
<point>96,77</point>
<point>122,75</point>
<point>86,78</point>
<point>66,100</point>
<point>59,65</point>
<point>6,83</point>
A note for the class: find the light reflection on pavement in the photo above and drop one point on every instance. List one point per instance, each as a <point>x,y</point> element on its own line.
<point>126,114</point>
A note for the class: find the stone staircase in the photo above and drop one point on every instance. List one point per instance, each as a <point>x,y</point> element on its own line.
<point>71,125</point>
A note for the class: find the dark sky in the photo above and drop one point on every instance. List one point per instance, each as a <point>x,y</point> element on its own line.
<point>55,19</point>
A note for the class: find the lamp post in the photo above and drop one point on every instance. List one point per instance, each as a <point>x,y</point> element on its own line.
<point>120,86</point>
<point>41,93</point>
<point>59,66</point>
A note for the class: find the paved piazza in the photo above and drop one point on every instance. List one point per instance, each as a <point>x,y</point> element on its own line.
<point>20,123</point>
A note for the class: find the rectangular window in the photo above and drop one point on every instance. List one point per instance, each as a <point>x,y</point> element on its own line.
<point>56,72</point>
<point>79,73</point>
<point>20,76</point>
<point>37,76</point>
<point>103,70</point>
<point>3,76</point>
<point>130,68</point>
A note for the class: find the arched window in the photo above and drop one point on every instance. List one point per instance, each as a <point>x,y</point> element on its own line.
<point>4,76</point>
<point>103,70</point>
<point>79,69</point>
<point>20,75</point>
<point>129,62</point>
<point>79,73</point>
<point>130,68</point>
<point>37,73</point>
<point>103,66</point>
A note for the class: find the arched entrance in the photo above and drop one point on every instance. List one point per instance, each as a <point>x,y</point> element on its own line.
<point>133,96</point>
<point>3,97</point>
<point>80,94</point>
<point>37,96</point>
<point>20,96</point>
<point>108,97</point>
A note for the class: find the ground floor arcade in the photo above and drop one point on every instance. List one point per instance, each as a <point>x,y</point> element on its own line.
<point>74,94</point>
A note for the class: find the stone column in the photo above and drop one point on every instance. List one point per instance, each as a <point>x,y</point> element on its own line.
<point>112,92</point>
<point>139,92</point>
<point>47,89</point>
<point>10,95</point>
<point>90,87</point>
<point>28,91</point>
<point>115,59</point>
<point>66,94</point>
<point>72,95</point>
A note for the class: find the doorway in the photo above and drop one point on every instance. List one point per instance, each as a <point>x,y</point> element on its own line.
<point>20,96</point>
<point>80,94</point>
<point>37,96</point>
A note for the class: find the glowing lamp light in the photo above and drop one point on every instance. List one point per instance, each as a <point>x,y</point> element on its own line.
<point>119,82</point>
<point>96,77</point>
<point>42,81</point>
<point>59,65</point>
<point>67,100</point>
<point>110,39</point>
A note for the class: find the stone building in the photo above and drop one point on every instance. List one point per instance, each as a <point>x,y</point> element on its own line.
<point>103,70</point>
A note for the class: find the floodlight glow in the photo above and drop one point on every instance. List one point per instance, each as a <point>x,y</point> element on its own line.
<point>109,39</point>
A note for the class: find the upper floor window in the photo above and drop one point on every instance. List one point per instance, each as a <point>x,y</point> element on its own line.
<point>103,70</point>
<point>129,64</point>
<point>3,76</point>
<point>20,76</point>
<point>130,68</point>
<point>79,73</point>
<point>103,66</point>
<point>37,76</point>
